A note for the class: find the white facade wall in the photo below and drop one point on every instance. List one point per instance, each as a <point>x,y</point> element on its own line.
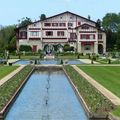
<point>66,18</point>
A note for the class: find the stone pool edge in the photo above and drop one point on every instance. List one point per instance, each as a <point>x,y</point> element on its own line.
<point>7,107</point>
<point>80,98</point>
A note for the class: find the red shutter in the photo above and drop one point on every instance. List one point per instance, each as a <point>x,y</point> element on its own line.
<point>79,23</point>
<point>87,36</point>
<point>80,36</point>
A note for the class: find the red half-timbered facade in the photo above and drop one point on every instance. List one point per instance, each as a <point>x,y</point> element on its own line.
<point>81,33</point>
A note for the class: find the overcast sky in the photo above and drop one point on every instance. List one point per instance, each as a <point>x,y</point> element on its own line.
<point>13,10</point>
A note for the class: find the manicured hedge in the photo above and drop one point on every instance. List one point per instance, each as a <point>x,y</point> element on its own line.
<point>9,88</point>
<point>95,101</point>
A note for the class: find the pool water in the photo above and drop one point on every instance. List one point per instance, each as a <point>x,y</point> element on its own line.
<point>62,103</point>
<point>51,61</point>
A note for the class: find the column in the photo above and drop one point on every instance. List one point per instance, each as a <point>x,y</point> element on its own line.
<point>79,47</point>
<point>96,47</point>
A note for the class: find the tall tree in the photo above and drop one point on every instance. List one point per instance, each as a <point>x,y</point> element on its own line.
<point>6,35</point>
<point>24,21</point>
<point>111,24</point>
<point>42,17</point>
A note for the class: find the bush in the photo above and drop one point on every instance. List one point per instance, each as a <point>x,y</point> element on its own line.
<point>66,47</point>
<point>25,48</point>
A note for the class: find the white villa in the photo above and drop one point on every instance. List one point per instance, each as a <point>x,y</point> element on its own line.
<point>67,27</point>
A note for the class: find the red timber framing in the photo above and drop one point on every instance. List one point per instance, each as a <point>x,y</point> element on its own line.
<point>34,38</point>
<point>87,43</point>
<point>34,29</point>
<point>54,29</point>
<point>55,38</point>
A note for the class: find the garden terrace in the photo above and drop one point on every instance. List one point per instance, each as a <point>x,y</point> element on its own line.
<point>96,102</point>
<point>8,89</point>
<point>5,70</point>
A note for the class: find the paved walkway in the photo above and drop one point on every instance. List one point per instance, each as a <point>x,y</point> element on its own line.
<point>113,98</point>
<point>6,78</point>
<point>87,61</point>
<point>12,60</point>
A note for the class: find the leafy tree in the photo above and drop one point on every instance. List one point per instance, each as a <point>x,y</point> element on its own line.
<point>24,21</point>
<point>111,24</point>
<point>6,35</point>
<point>98,23</point>
<point>42,17</point>
<point>89,17</point>
<point>66,47</point>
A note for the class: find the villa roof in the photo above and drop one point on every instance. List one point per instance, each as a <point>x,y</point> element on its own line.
<point>56,16</point>
<point>89,26</point>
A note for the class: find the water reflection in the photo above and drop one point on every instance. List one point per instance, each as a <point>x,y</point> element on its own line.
<point>50,86</point>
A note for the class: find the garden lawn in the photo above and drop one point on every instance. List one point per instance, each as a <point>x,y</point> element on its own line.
<point>5,70</point>
<point>108,76</point>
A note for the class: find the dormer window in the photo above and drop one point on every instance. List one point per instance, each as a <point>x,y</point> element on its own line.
<point>70,24</point>
<point>34,25</point>
<point>85,27</point>
<point>71,17</point>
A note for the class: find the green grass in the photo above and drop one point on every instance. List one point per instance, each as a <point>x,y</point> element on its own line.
<point>5,70</point>
<point>8,89</point>
<point>117,111</point>
<point>108,76</point>
<point>25,57</point>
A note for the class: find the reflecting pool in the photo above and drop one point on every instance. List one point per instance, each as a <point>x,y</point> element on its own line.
<point>49,61</point>
<point>47,95</point>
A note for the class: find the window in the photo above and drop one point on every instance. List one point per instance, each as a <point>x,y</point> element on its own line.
<point>79,23</point>
<point>49,33</point>
<point>70,17</point>
<point>23,34</point>
<point>87,36</point>
<point>55,24</point>
<point>92,36</point>
<point>34,33</point>
<point>84,36</point>
<point>85,27</point>
<point>47,24</point>
<point>99,36</point>
<point>34,25</point>
<point>60,33</point>
<point>70,24</point>
<point>62,24</point>
<point>73,35</point>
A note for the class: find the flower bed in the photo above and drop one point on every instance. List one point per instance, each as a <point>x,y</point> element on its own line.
<point>96,102</point>
<point>8,89</point>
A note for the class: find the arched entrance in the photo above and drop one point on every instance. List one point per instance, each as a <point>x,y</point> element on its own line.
<point>100,49</point>
<point>48,49</point>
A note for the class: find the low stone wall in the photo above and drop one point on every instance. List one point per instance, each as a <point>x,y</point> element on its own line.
<point>112,117</point>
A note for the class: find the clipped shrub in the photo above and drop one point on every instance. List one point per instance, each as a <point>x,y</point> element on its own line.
<point>25,48</point>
